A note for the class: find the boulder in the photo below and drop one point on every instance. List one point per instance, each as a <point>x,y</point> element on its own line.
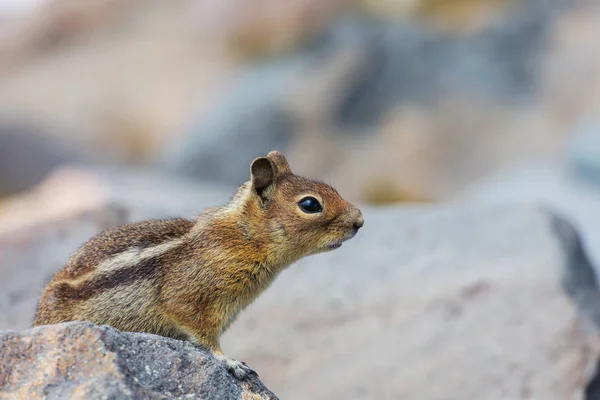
<point>339,106</point>
<point>79,360</point>
<point>430,303</point>
<point>584,151</point>
<point>243,123</point>
<point>462,301</point>
<point>28,153</point>
<point>554,185</point>
<point>36,27</point>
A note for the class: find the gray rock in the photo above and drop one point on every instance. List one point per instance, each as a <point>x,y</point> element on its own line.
<point>79,360</point>
<point>446,302</point>
<point>152,193</point>
<point>554,186</point>
<point>408,62</point>
<point>30,152</point>
<point>244,123</point>
<point>27,155</point>
<point>392,63</point>
<point>584,151</point>
<point>430,302</point>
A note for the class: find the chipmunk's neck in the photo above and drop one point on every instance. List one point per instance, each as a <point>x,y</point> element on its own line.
<point>244,236</point>
<point>238,250</point>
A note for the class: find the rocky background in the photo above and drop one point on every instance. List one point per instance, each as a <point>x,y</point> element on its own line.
<point>468,131</point>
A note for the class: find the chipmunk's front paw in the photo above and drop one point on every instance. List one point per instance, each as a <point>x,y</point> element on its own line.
<point>239,369</point>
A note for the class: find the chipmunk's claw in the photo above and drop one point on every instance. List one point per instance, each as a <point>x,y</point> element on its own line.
<point>250,370</point>
<point>239,369</point>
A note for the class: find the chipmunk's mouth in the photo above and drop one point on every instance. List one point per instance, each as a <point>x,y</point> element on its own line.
<point>334,246</point>
<point>338,243</point>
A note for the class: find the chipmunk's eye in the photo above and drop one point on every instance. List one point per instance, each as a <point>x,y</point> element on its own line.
<point>310,205</point>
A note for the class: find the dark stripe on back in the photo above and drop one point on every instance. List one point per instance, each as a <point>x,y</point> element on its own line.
<point>145,269</point>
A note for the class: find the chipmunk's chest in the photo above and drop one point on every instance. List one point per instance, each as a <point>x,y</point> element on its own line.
<point>230,318</point>
<point>243,290</point>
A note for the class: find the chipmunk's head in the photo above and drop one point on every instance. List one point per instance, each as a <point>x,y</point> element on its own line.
<point>302,216</point>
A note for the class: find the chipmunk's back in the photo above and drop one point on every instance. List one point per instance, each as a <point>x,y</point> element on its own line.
<point>113,259</point>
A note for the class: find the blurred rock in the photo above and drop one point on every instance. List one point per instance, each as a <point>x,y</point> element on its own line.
<point>41,228</point>
<point>585,151</point>
<point>84,361</point>
<point>410,63</point>
<point>30,255</point>
<point>73,189</point>
<point>432,303</point>
<point>479,100</point>
<point>100,97</point>
<point>243,125</point>
<point>64,193</point>
<point>341,97</point>
<point>550,184</point>
<point>28,154</point>
<point>556,187</point>
<point>50,23</point>
<point>456,16</point>
<point>264,27</point>
<point>155,194</point>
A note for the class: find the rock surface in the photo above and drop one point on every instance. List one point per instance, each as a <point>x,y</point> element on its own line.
<point>19,145</point>
<point>75,189</point>
<point>559,187</point>
<point>80,360</point>
<point>584,154</point>
<point>432,302</point>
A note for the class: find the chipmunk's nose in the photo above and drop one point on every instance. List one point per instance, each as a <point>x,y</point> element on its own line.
<point>359,221</point>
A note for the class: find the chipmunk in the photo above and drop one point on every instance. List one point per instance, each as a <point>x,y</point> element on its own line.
<point>189,280</point>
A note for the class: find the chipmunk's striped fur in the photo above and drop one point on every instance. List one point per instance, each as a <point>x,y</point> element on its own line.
<point>189,279</point>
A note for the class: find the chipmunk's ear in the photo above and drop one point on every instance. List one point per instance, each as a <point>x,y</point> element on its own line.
<point>279,161</point>
<point>263,175</point>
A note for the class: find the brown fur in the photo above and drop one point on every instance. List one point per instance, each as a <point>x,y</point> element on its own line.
<point>189,280</point>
